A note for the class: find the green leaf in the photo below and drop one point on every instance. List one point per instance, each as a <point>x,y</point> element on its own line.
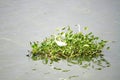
<point>56,68</point>
<point>108,48</point>
<point>85,28</point>
<point>65,70</point>
<point>63,28</point>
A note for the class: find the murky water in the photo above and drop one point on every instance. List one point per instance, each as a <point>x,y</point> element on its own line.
<point>22,21</point>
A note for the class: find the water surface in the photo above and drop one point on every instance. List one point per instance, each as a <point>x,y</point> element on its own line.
<point>22,21</point>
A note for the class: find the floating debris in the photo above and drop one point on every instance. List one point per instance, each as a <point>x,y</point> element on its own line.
<point>98,68</point>
<point>47,73</point>
<point>56,68</point>
<point>74,76</point>
<point>33,69</point>
<point>65,70</point>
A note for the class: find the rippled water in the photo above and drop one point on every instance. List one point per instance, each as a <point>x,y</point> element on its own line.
<point>22,21</point>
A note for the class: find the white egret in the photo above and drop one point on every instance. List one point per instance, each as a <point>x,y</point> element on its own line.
<point>60,43</point>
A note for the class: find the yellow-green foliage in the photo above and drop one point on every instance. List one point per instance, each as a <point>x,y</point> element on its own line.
<point>79,47</point>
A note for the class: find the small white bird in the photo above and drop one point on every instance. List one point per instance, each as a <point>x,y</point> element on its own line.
<point>60,43</point>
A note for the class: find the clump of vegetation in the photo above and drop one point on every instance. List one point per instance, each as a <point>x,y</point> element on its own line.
<point>76,48</point>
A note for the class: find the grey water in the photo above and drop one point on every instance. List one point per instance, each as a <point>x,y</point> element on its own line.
<point>22,21</point>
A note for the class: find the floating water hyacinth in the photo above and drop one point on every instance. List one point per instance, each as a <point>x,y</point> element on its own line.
<point>76,48</point>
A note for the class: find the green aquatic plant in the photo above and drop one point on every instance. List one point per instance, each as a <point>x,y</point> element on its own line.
<point>76,48</point>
